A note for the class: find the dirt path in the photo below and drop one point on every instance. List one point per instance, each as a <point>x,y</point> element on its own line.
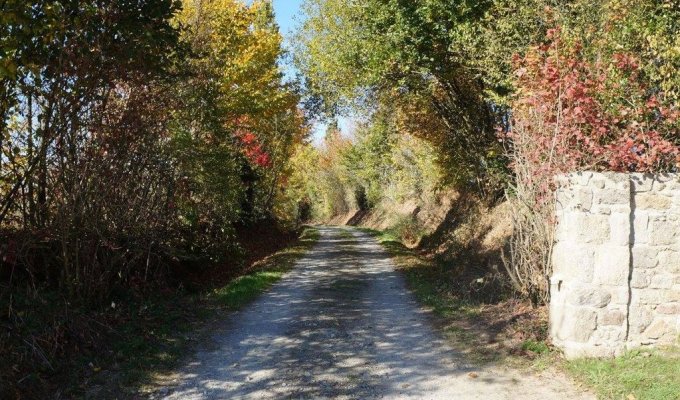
<point>342,325</point>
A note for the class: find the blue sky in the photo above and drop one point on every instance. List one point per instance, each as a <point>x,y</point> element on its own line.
<point>287,14</point>
<point>286,11</point>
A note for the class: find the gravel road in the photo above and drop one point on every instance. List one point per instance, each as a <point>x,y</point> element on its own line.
<point>342,325</point>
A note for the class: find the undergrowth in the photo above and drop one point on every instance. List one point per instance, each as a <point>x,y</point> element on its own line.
<point>57,350</point>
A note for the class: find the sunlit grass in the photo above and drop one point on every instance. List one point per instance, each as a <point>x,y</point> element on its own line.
<point>638,374</point>
<point>246,288</point>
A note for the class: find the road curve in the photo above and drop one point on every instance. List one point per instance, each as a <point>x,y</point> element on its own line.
<point>342,325</point>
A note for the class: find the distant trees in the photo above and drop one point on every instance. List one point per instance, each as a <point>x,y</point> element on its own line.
<point>376,164</point>
<point>136,132</point>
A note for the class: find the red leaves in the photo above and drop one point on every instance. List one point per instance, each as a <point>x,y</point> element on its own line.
<point>252,148</point>
<point>262,159</point>
<point>626,62</point>
<point>573,114</point>
<point>563,99</point>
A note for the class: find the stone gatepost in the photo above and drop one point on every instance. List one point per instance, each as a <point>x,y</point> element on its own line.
<point>616,266</point>
<point>591,264</point>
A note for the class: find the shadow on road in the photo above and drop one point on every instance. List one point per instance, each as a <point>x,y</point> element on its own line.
<point>341,325</point>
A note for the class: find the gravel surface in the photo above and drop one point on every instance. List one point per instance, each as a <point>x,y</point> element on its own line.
<point>342,325</point>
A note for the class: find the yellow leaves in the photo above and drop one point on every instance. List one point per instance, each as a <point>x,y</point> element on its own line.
<point>242,46</point>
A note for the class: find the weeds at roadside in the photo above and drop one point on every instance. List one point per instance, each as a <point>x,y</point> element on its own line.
<point>263,274</point>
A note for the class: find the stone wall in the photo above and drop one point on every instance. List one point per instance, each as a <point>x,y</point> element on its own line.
<point>616,263</point>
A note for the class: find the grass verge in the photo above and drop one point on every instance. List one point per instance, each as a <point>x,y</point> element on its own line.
<point>263,274</point>
<point>638,374</point>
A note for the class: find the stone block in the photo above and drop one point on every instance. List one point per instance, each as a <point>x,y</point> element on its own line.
<point>668,309</point>
<point>576,324</point>
<point>612,196</point>
<point>657,329</point>
<point>612,265</point>
<point>579,199</point>
<point>612,317</point>
<point>574,262</point>
<point>639,319</point>
<point>615,178</point>
<point>598,182</point>
<point>573,350</point>
<point>673,294</point>
<point>563,197</point>
<point>604,210</point>
<point>583,178</point>
<point>606,335</point>
<point>645,257</point>
<point>666,177</point>
<point>663,231</point>
<point>582,228</point>
<point>669,261</point>
<point>650,296</point>
<point>619,229</point>
<point>652,201</point>
<point>641,279</point>
<point>641,182</point>
<point>620,295</point>
<point>661,281</point>
<point>583,325</point>
<point>640,227</point>
<point>587,295</point>
<point>623,209</point>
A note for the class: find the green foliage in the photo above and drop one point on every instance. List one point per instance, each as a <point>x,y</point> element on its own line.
<point>645,30</point>
<point>138,134</point>
<point>244,289</point>
<point>447,68</point>
<point>534,346</point>
<point>405,56</point>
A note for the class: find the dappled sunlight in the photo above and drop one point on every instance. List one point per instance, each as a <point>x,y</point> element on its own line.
<point>340,325</point>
